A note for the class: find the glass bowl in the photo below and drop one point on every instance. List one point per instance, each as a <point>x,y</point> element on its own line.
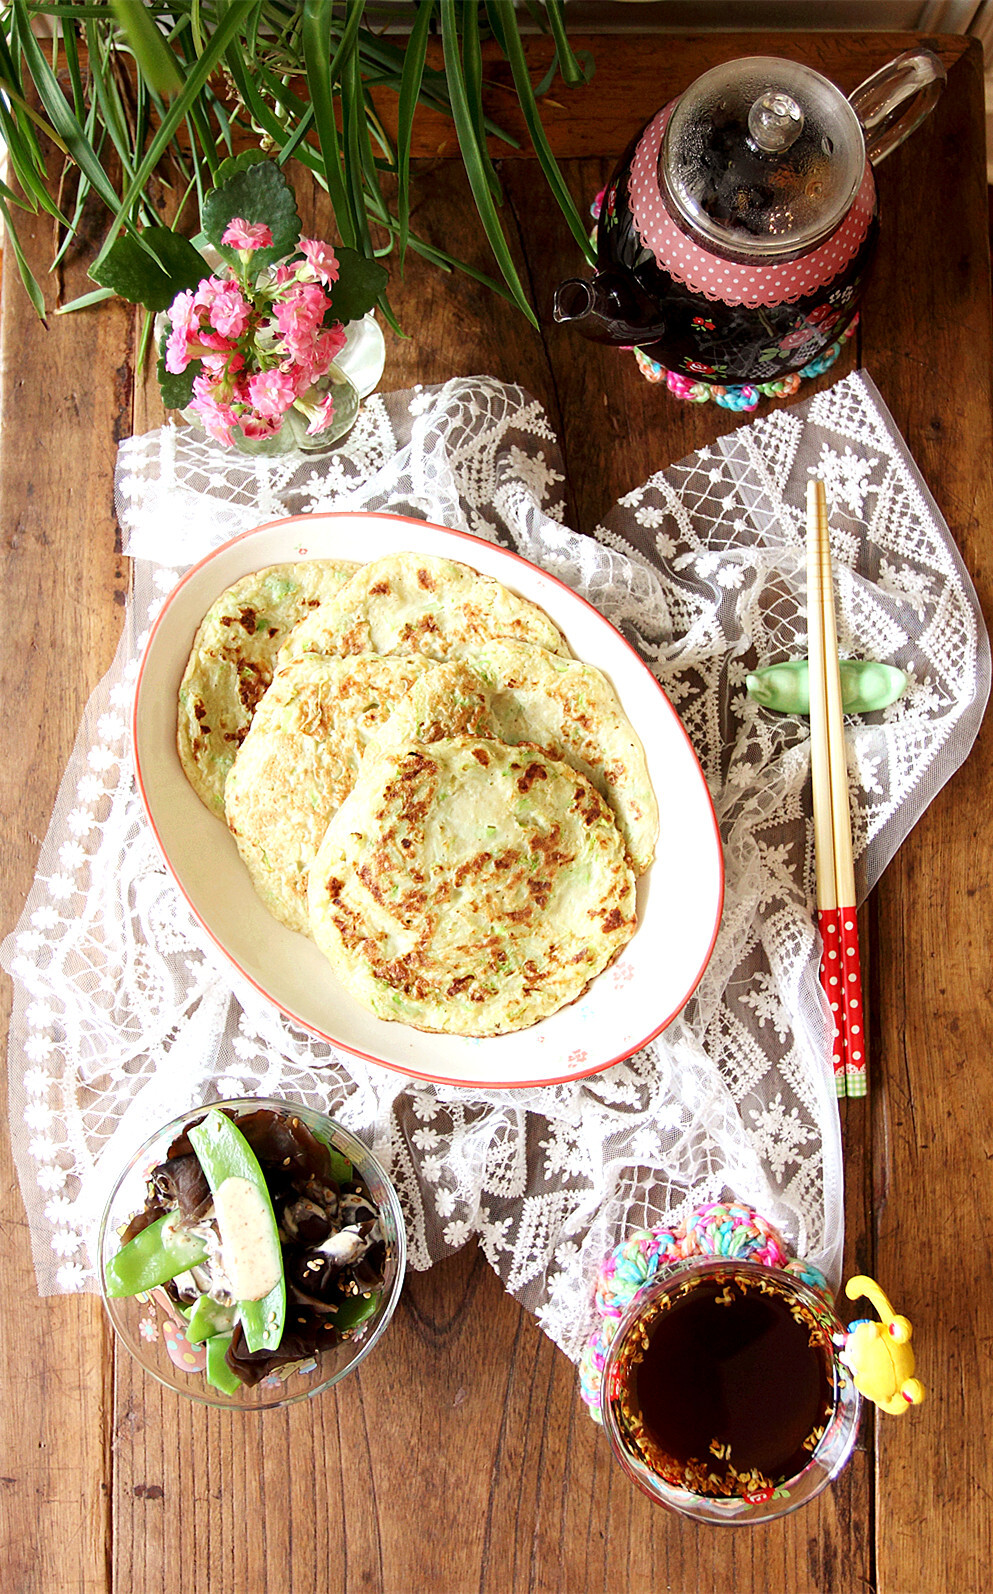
<point>833,1440</point>
<point>151,1327</point>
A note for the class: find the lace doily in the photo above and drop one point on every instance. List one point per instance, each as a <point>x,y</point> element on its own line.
<point>125,1014</point>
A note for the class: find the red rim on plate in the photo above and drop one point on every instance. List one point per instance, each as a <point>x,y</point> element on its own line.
<point>679,899</point>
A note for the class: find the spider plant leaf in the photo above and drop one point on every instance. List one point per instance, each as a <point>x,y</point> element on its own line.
<point>145,338</point>
<point>85,301</point>
<point>472,68</point>
<point>504,25</point>
<point>301,130</point>
<point>475,168</point>
<point>29,111</point>
<point>152,269</point>
<point>24,167</point>
<point>157,62</point>
<point>315,39</point>
<point>107,98</point>
<point>353,116</point>
<point>17,199</point>
<point>570,65</point>
<point>220,40</point>
<point>411,79</point>
<point>57,109</point>
<point>13,83</point>
<point>24,271</point>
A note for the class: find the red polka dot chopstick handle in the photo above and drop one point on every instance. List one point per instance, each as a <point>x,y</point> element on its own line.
<point>841,974</point>
<point>841,977</point>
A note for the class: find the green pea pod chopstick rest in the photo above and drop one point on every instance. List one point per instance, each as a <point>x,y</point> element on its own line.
<point>865,686</point>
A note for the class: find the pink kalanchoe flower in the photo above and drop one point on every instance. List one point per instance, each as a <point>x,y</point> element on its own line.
<point>323,415</point>
<point>184,329</point>
<point>330,342</point>
<point>218,417</point>
<point>321,259</point>
<point>177,353</point>
<point>298,315</point>
<point>248,235</point>
<point>225,306</point>
<point>258,427</point>
<point>270,393</point>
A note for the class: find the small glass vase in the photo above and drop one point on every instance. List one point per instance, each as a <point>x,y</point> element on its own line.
<point>293,437</point>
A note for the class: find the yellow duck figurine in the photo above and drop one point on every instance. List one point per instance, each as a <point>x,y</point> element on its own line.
<point>879,1355</point>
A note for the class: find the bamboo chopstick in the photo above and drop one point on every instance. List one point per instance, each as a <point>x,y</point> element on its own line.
<point>841,974</point>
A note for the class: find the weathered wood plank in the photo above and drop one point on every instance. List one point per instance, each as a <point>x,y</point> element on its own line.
<point>927,342</point>
<point>64,397</point>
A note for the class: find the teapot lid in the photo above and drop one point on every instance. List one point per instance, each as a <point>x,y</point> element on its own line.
<point>761,158</point>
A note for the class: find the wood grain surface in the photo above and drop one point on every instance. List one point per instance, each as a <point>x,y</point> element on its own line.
<point>459,1457</point>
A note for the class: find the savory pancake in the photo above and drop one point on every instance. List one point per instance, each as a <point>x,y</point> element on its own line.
<point>232,662</point>
<point>416,603</point>
<point>470,888</point>
<point>519,693</point>
<point>298,763</point>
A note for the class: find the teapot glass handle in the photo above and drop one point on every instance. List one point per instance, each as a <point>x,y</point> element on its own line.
<point>896,99</point>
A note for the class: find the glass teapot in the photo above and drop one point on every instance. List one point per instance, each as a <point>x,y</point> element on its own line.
<point>736,234</point>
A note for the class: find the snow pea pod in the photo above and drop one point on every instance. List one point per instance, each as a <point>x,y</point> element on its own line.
<point>251,1253</point>
<point>153,1257</point>
<point>208,1317</point>
<point>865,686</point>
<point>218,1372</point>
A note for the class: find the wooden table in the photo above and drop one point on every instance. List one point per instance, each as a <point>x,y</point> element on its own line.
<point>460,1458</point>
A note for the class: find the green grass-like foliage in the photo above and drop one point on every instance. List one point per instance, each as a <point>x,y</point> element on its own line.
<point>159,92</point>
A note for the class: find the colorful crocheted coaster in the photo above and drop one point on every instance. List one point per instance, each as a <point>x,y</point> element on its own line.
<point>747,396</point>
<point>727,1229</point>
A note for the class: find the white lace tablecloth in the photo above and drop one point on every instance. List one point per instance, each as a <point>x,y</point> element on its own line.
<point>125,1015</point>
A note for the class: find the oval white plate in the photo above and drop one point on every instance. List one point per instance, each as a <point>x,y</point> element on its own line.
<point>679,899</point>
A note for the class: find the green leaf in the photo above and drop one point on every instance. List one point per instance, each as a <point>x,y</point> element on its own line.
<point>474,164</point>
<point>151,52</point>
<point>31,287</point>
<point>572,70</point>
<point>359,285</point>
<point>233,164</point>
<point>57,109</point>
<point>315,39</point>
<point>472,67</point>
<point>504,25</point>
<point>195,84</point>
<point>85,301</point>
<point>178,258</point>
<point>176,390</point>
<point>255,192</point>
<point>152,269</point>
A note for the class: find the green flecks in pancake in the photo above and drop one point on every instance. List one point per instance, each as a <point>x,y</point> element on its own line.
<point>299,761</point>
<point>232,661</point>
<point>519,693</point>
<point>412,603</point>
<point>470,888</point>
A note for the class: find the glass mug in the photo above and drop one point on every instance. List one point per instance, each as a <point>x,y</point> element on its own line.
<point>724,1393</point>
